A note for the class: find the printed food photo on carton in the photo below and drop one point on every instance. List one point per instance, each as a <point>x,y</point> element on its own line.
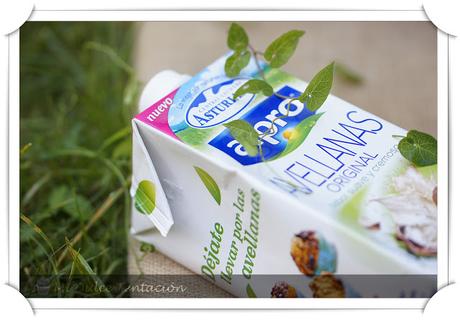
<point>269,186</point>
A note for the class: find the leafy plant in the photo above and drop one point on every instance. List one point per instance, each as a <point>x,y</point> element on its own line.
<point>276,55</point>
<point>417,147</point>
<point>318,89</point>
<point>147,247</point>
<point>245,134</point>
<point>254,86</point>
<point>280,51</point>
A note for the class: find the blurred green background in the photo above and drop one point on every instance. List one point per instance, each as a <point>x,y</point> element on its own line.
<point>77,95</point>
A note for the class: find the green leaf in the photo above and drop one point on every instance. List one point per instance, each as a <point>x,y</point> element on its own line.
<point>419,148</point>
<point>254,86</point>
<point>237,62</point>
<point>209,183</point>
<point>281,50</point>
<point>250,292</point>
<point>145,197</point>
<point>245,134</point>
<point>298,135</point>
<point>237,39</point>
<point>147,247</point>
<point>318,89</point>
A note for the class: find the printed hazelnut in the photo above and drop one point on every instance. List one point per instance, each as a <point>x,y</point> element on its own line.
<point>283,290</point>
<point>327,286</point>
<point>312,253</point>
<point>305,252</point>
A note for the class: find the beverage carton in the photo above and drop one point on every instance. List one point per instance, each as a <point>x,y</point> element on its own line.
<point>329,207</point>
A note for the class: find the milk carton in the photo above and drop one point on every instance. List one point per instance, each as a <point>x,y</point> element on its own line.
<point>328,208</point>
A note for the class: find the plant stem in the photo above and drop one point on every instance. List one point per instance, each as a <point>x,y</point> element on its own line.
<point>260,70</point>
<point>261,73</point>
<point>272,123</point>
<point>283,96</point>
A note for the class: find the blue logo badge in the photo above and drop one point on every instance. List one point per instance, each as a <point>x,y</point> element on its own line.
<point>261,117</point>
<point>215,105</point>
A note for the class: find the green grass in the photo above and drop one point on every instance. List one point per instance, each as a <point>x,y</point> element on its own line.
<point>77,96</point>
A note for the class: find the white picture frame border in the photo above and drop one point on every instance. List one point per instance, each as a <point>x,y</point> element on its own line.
<point>231,15</point>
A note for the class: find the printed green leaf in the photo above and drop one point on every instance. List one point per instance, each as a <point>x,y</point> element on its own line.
<point>144,199</point>
<point>250,292</point>
<point>254,86</point>
<point>281,50</point>
<point>318,89</point>
<point>245,134</point>
<point>419,148</point>
<point>237,39</point>
<point>237,62</point>
<point>209,183</point>
<point>298,135</point>
<point>147,247</point>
